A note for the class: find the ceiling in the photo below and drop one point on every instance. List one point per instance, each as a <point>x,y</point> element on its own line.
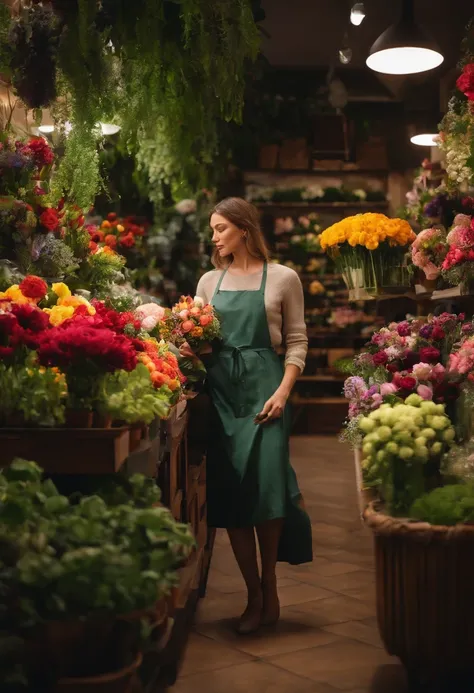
<point>309,32</point>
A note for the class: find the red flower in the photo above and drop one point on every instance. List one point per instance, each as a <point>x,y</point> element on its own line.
<point>392,367</point>
<point>30,318</point>
<point>128,241</point>
<point>465,82</point>
<point>429,354</point>
<point>438,333</point>
<point>111,241</point>
<point>50,219</point>
<point>34,287</point>
<point>380,358</point>
<point>81,345</point>
<point>111,216</point>
<point>407,383</point>
<point>93,247</point>
<point>41,151</point>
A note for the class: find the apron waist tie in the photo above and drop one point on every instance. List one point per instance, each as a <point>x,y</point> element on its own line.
<point>239,367</point>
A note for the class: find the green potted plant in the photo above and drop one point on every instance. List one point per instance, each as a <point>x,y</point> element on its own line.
<point>132,398</point>
<point>77,576</point>
<point>32,395</point>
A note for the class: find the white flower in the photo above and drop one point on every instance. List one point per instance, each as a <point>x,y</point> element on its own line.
<point>150,323</point>
<point>312,192</point>
<point>198,302</point>
<point>295,239</point>
<point>186,207</point>
<point>361,194</point>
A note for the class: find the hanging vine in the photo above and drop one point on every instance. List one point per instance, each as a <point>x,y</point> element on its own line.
<point>168,71</point>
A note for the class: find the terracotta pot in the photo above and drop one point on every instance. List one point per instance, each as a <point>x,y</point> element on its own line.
<point>102,420</point>
<point>136,433</point>
<point>79,418</point>
<point>115,682</point>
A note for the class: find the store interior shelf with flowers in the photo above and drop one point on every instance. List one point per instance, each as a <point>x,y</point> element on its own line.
<point>94,390</point>
<point>336,327</point>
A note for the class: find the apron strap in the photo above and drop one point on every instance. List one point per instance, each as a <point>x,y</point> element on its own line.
<point>218,287</point>
<point>264,279</point>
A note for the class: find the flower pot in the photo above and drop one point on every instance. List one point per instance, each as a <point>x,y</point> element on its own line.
<point>102,420</point>
<point>425,601</point>
<point>115,682</point>
<point>79,418</point>
<point>136,432</point>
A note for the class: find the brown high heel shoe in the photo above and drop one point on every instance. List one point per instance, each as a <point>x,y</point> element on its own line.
<point>251,619</point>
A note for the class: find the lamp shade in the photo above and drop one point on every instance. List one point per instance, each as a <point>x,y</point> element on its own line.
<point>425,139</point>
<point>404,48</point>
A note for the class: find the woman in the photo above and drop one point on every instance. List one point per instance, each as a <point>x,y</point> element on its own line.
<point>251,485</point>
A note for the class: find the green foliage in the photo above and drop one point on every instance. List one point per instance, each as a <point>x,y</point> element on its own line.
<point>169,72</point>
<point>131,397</point>
<point>448,505</point>
<point>35,396</point>
<point>137,490</point>
<point>65,561</point>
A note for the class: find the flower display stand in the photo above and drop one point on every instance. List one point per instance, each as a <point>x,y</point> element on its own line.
<point>425,600</point>
<point>67,450</point>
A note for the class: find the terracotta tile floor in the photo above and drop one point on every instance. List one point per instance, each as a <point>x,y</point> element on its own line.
<point>327,639</point>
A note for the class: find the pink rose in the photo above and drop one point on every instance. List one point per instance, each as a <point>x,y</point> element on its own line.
<point>462,220</point>
<point>422,371</point>
<point>184,314</point>
<point>148,309</point>
<point>388,389</point>
<point>425,392</point>
<point>437,372</point>
<point>187,326</point>
<point>149,323</point>
<point>205,320</point>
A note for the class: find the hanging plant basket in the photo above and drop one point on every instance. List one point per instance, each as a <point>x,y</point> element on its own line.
<point>425,600</point>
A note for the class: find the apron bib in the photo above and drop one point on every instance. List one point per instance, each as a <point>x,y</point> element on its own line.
<point>249,476</point>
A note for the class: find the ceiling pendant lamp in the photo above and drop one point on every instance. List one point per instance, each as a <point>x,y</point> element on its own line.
<point>425,139</point>
<point>404,48</point>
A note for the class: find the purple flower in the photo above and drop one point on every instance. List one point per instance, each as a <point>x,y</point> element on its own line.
<point>373,390</point>
<point>354,387</point>
<point>426,331</point>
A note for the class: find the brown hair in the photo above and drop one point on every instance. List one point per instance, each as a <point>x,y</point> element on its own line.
<point>245,217</point>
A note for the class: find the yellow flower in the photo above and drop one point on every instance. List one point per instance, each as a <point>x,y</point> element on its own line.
<point>61,290</point>
<point>372,244</point>
<point>58,314</point>
<point>197,332</point>
<point>75,302</point>
<point>14,294</point>
<point>120,228</point>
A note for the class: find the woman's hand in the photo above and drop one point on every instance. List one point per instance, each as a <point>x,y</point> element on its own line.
<point>274,407</point>
<point>186,352</point>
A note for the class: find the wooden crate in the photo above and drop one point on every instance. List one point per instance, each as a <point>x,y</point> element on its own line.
<point>67,450</point>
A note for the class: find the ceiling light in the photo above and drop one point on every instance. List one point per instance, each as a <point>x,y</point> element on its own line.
<point>404,48</point>
<point>109,128</point>
<point>46,129</point>
<point>358,14</point>
<point>425,140</point>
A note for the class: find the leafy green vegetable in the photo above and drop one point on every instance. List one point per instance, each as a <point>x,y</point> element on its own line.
<point>448,505</point>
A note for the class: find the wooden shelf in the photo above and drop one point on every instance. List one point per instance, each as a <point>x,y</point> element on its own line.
<point>321,378</point>
<point>298,400</point>
<point>321,172</point>
<point>322,205</point>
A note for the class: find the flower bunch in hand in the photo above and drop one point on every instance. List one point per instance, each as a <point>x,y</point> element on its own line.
<point>194,322</point>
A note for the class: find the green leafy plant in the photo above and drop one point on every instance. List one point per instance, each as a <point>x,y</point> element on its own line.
<point>32,395</point>
<point>69,561</point>
<point>447,505</point>
<point>131,397</point>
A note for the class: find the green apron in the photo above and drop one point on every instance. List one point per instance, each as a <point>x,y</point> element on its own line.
<point>249,476</point>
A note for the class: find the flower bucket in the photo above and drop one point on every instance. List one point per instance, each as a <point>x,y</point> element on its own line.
<point>425,601</point>
<point>116,682</point>
<point>79,418</point>
<point>354,280</point>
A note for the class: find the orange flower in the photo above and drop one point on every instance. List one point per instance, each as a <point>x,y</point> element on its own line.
<point>205,320</point>
<point>106,224</point>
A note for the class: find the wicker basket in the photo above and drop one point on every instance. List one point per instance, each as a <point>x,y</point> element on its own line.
<point>425,595</point>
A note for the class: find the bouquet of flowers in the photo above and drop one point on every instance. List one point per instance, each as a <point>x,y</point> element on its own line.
<point>428,252</point>
<point>348,318</point>
<point>369,251</point>
<point>191,321</point>
<point>458,264</point>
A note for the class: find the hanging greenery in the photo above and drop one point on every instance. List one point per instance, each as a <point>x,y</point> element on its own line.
<point>168,71</point>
